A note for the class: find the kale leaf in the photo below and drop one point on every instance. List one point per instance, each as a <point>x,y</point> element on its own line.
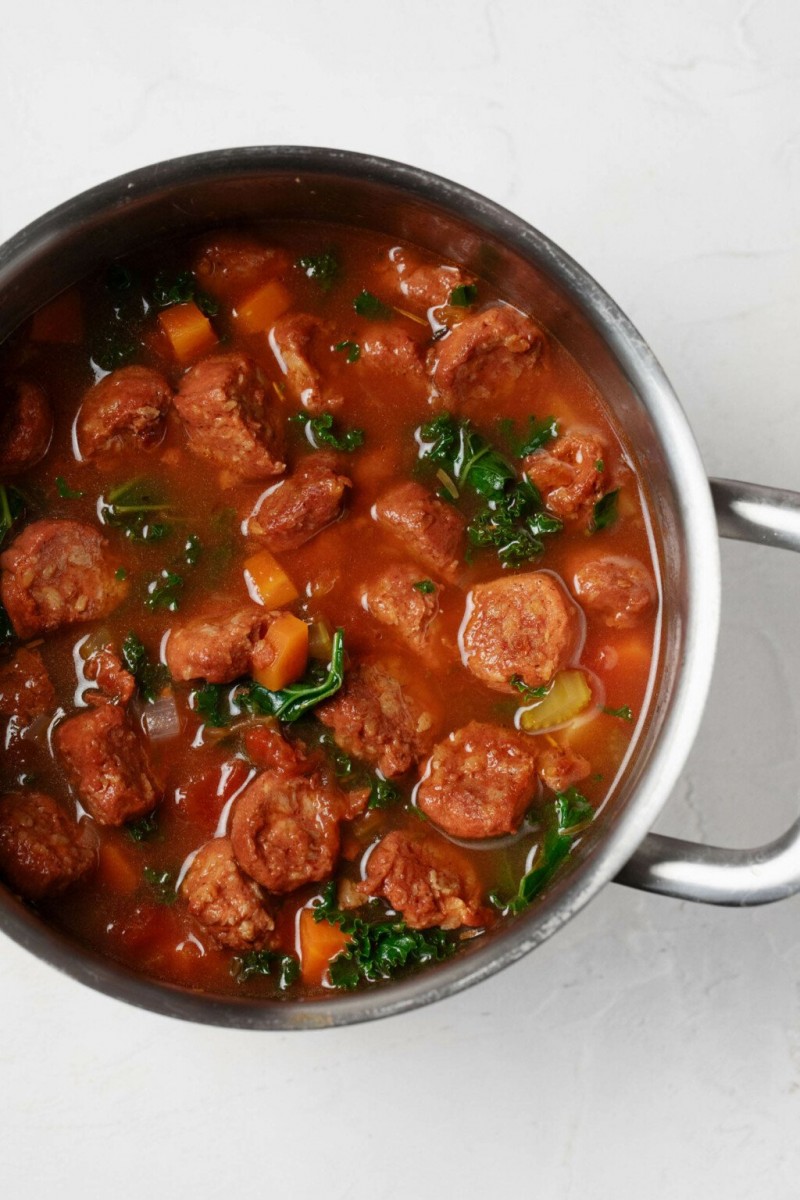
<point>65,491</point>
<point>368,305</point>
<point>353,350</point>
<point>464,296</point>
<point>180,289</point>
<point>267,962</point>
<point>293,701</point>
<point>568,814</point>
<point>12,508</point>
<point>624,713</point>
<point>539,434</point>
<point>322,268</point>
<point>151,678</point>
<point>132,508</point>
<point>425,586</point>
<point>320,432</point>
<point>164,591</point>
<point>526,691</point>
<point>211,703</point>
<point>162,884</point>
<point>143,829</point>
<point>605,511</point>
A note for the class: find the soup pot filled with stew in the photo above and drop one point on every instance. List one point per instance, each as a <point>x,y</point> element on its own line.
<point>359,592</point>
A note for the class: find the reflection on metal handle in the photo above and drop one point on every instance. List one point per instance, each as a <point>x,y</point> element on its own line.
<point>690,870</point>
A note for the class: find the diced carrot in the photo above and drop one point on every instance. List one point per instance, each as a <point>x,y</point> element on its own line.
<point>261,309</point>
<point>283,657</point>
<point>319,943</point>
<point>190,332</point>
<point>59,321</point>
<point>118,870</point>
<point>274,587</point>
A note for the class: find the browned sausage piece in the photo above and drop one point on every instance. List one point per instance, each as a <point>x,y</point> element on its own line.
<point>394,599</point>
<point>26,427</point>
<point>25,688</point>
<point>106,762</point>
<point>391,349</point>
<point>520,625</point>
<point>568,474</point>
<point>126,408</point>
<point>621,590</point>
<point>218,645</point>
<point>429,528</point>
<point>479,782</point>
<point>373,719</point>
<point>424,285</point>
<point>114,683</point>
<point>223,404</point>
<point>560,767</point>
<point>43,850</point>
<point>221,898</point>
<point>56,573</point>
<point>285,831</point>
<point>297,340</point>
<point>231,264</point>
<point>300,507</point>
<point>425,880</point>
<point>485,353</point>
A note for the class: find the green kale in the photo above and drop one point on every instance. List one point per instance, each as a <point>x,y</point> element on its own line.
<point>527,692</point>
<point>143,829</point>
<point>378,949</point>
<point>539,434</point>
<point>164,591</point>
<point>151,678</point>
<point>294,701</point>
<point>426,586</point>
<point>114,347</point>
<point>192,549</point>
<point>267,962</point>
<point>605,511</point>
<point>353,350</point>
<point>162,884</point>
<point>572,809</point>
<point>367,305</point>
<point>568,814</point>
<point>12,508</point>
<point>464,296</point>
<point>383,794</point>
<point>211,702</point>
<point>466,456</point>
<point>624,713</point>
<point>132,508</point>
<point>65,491</point>
<point>320,432</point>
<point>322,268</point>
<point>180,289</point>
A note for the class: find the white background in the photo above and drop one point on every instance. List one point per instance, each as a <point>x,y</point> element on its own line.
<point>652,1048</point>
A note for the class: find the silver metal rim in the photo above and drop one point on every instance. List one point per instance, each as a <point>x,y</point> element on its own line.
<point>702,555</point>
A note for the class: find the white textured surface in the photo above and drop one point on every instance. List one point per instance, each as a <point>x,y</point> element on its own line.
<point>653,1048</point>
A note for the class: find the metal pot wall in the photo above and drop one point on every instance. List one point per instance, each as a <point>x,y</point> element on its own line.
<point>186,195</point>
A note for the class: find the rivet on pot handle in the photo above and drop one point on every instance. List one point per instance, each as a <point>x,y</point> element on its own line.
<point>711,874</point>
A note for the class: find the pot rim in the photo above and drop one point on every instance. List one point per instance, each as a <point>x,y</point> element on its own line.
<point>695,510</point>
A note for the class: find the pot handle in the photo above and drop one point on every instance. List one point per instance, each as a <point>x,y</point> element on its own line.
<point>711,874</point>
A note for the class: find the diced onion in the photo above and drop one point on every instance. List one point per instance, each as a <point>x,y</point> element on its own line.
<point>320,642</point>
<point>160,720</point>
<point>568,697</point>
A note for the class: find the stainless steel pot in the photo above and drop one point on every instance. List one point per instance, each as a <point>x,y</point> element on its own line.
<point>187,194</point>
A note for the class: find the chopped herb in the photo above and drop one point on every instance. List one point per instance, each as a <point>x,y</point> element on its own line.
<point>114,348</point>
<point>151,678</point>
<point>132,508</point>
<point>320,432</point>
<point>292,702</point>
<point>539,434</point>
<point>143,829</point>
<point>267,962</point>
<point>569,812</point>
<point>367,305</point>
<point>623,713</point>
<point>192,549</point>
<point>426,586</point>
<point>382,794</point>
<point>466,456</point>
<point>378,949</point>
<point>120,574</point>
<point>322,268</point>
<point>180,289</point>
<point>605,511</point>
<point>353,350</point>
<point>211,702</point>
<point>346,769</point>
<point>599,465</point>
<point>164,591</point>
<point>65,491</point>
<point>464,295</point>
<point>12,507</point>
<point>528,693</point>
<point>162,883</point>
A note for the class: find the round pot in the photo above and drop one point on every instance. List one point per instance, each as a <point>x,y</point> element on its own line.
<point>186,195</point>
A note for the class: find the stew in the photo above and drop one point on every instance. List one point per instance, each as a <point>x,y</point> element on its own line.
<point>329,610</point>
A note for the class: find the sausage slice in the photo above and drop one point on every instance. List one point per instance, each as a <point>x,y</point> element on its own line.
<point>426,880</point>
<point>106,762</point>
<point>221,898</point>
<point>394,599</point>
<point>26,427</point>
<point>485,354</point>
<point>223,404</point>
<point>126,408</point>
<point>296,510</point>
<point>568,474</point>
<point>43,850</point>
<point>56,573</point>
<point>297,341</point>
<point>479,782</point>
<point>218,644</point>
<point>522,625</point>
<point>620,590</point>
<point>430,529</point>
